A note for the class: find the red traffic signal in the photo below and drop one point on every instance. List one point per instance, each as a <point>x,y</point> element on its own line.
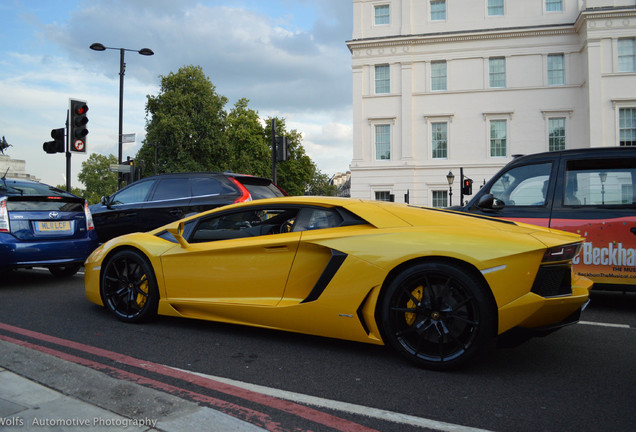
<point>467,186</point>
<point>77,125</point>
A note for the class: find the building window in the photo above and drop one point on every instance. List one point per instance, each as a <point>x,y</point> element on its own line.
<point>627,55</point>
<point>438,75</point>
<point>382,79</point>
<point>438,10</point>
<point>556,69</point>
<point>553,5</point>
<point>440,198</point>
<point>382,142</point>
<point>495,7</point>
<point>556,134</point>
<point>498,138</point>
<point>383,196</point>
<point>497,72</point>
<point>439,140</point>
<point>627,126</point>
<point>382,15</point>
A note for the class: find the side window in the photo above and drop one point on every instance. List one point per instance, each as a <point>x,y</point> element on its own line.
<point>315,218</point>
<point>172,188</point>
<point>246,223</point>
<point>524,185</point>
<point>594,183</point>
<point>136,193</point>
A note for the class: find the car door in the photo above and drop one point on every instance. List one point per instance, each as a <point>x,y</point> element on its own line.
<point>169,201</point>
<point>595,199</point>
<point>521,193</point>
<point>239,257</point>
<point>122,213</point>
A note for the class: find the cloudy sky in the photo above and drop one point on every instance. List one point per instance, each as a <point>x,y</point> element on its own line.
<point>288,57</point>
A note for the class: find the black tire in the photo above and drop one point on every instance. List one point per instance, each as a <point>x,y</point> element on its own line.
<point>64,270</point>
<point>128,287</point>
<point>437,315</point>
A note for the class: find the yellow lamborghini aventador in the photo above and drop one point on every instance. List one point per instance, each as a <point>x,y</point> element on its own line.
<point>435,285</point>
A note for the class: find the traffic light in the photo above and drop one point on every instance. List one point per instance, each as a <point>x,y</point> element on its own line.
<point>282,148</point>
<point>77,125</point>
<point>57,145</point>
<point>467,186</point>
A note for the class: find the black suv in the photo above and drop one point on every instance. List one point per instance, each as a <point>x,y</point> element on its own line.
<point>155,201</point>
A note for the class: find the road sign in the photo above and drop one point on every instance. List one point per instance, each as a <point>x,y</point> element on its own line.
<point>124,168</point>
<point>128,138</point>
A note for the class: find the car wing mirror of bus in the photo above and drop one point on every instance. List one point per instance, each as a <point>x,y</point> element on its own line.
<point>489,202</point>
<point>177,233</point>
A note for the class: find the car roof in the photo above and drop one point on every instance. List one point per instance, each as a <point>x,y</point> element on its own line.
<point>600,152</point>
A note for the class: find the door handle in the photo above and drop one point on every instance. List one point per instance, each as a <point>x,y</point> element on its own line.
<point>282,248</point>
<point>177,213</point>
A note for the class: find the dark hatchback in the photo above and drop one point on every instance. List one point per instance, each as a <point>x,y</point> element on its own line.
<point>41,225</point>
<point>155,201</point>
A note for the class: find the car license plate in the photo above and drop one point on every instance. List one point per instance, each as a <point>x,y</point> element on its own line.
<point>53,226</point>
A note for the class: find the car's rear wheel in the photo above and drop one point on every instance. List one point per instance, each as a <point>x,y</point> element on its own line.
<point>129,287</point>
<point>437,315</point>
<point>64,270</point>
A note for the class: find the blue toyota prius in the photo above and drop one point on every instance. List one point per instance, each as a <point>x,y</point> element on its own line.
<point>41,225</point>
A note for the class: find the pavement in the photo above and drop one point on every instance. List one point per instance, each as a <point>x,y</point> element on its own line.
<point>44,393</point>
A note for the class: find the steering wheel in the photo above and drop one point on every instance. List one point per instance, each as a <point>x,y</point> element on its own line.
<point>286,226</point>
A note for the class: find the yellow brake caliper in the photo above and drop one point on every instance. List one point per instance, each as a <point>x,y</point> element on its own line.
<point>141,300</point>
<point>417,293</point>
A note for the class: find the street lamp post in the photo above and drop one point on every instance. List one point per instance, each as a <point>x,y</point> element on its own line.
<point>122,70</point>
<point>450,178</point>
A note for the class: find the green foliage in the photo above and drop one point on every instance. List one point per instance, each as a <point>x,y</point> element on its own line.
<point>97,177</point>
<point>185,126</point>
<point>249,152</point>
<point>188,130</point>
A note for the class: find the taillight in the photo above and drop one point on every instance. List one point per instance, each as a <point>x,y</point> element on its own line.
<point>562,253</point>
<point>245,194</point>
<point>89,217</point>
<point>4,216</point>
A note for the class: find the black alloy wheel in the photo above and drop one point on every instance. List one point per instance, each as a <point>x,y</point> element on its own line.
<point>437,315</point>
<point>128,287</point>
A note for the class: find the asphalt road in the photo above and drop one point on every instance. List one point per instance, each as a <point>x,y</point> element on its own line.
<point>581,378</point>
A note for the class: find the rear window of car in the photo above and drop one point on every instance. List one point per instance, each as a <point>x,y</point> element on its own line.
<point>262,191</point>
<point>210,186</point>
<point>31,205</point>
<point>17,188</point>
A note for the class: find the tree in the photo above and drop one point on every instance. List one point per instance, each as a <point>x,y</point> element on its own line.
<point>185,126</point>
<point>75,191</point>
<point>320,185</point>
<point>294,175</point>
<point>249,152</point>
<point>97,177</point>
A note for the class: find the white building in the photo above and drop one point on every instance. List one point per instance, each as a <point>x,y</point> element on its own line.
<point>440,85</point>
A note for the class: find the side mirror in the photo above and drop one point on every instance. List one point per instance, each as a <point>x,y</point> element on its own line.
<point>177,233</point>
<point>106,200</point>
<point>489,202</point>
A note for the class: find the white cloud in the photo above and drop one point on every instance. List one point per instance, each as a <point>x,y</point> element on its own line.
<point>293,63</point>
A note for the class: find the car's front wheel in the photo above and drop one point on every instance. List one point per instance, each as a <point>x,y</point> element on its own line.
<point>437,315</point>
<point>129,287</point>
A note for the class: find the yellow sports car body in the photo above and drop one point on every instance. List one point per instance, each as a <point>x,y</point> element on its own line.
<point>435,285</point>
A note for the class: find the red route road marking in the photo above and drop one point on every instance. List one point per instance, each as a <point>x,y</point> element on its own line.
<point>272,402</point>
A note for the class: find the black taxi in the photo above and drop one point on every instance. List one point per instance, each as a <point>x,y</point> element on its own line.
<point>590,192</point>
